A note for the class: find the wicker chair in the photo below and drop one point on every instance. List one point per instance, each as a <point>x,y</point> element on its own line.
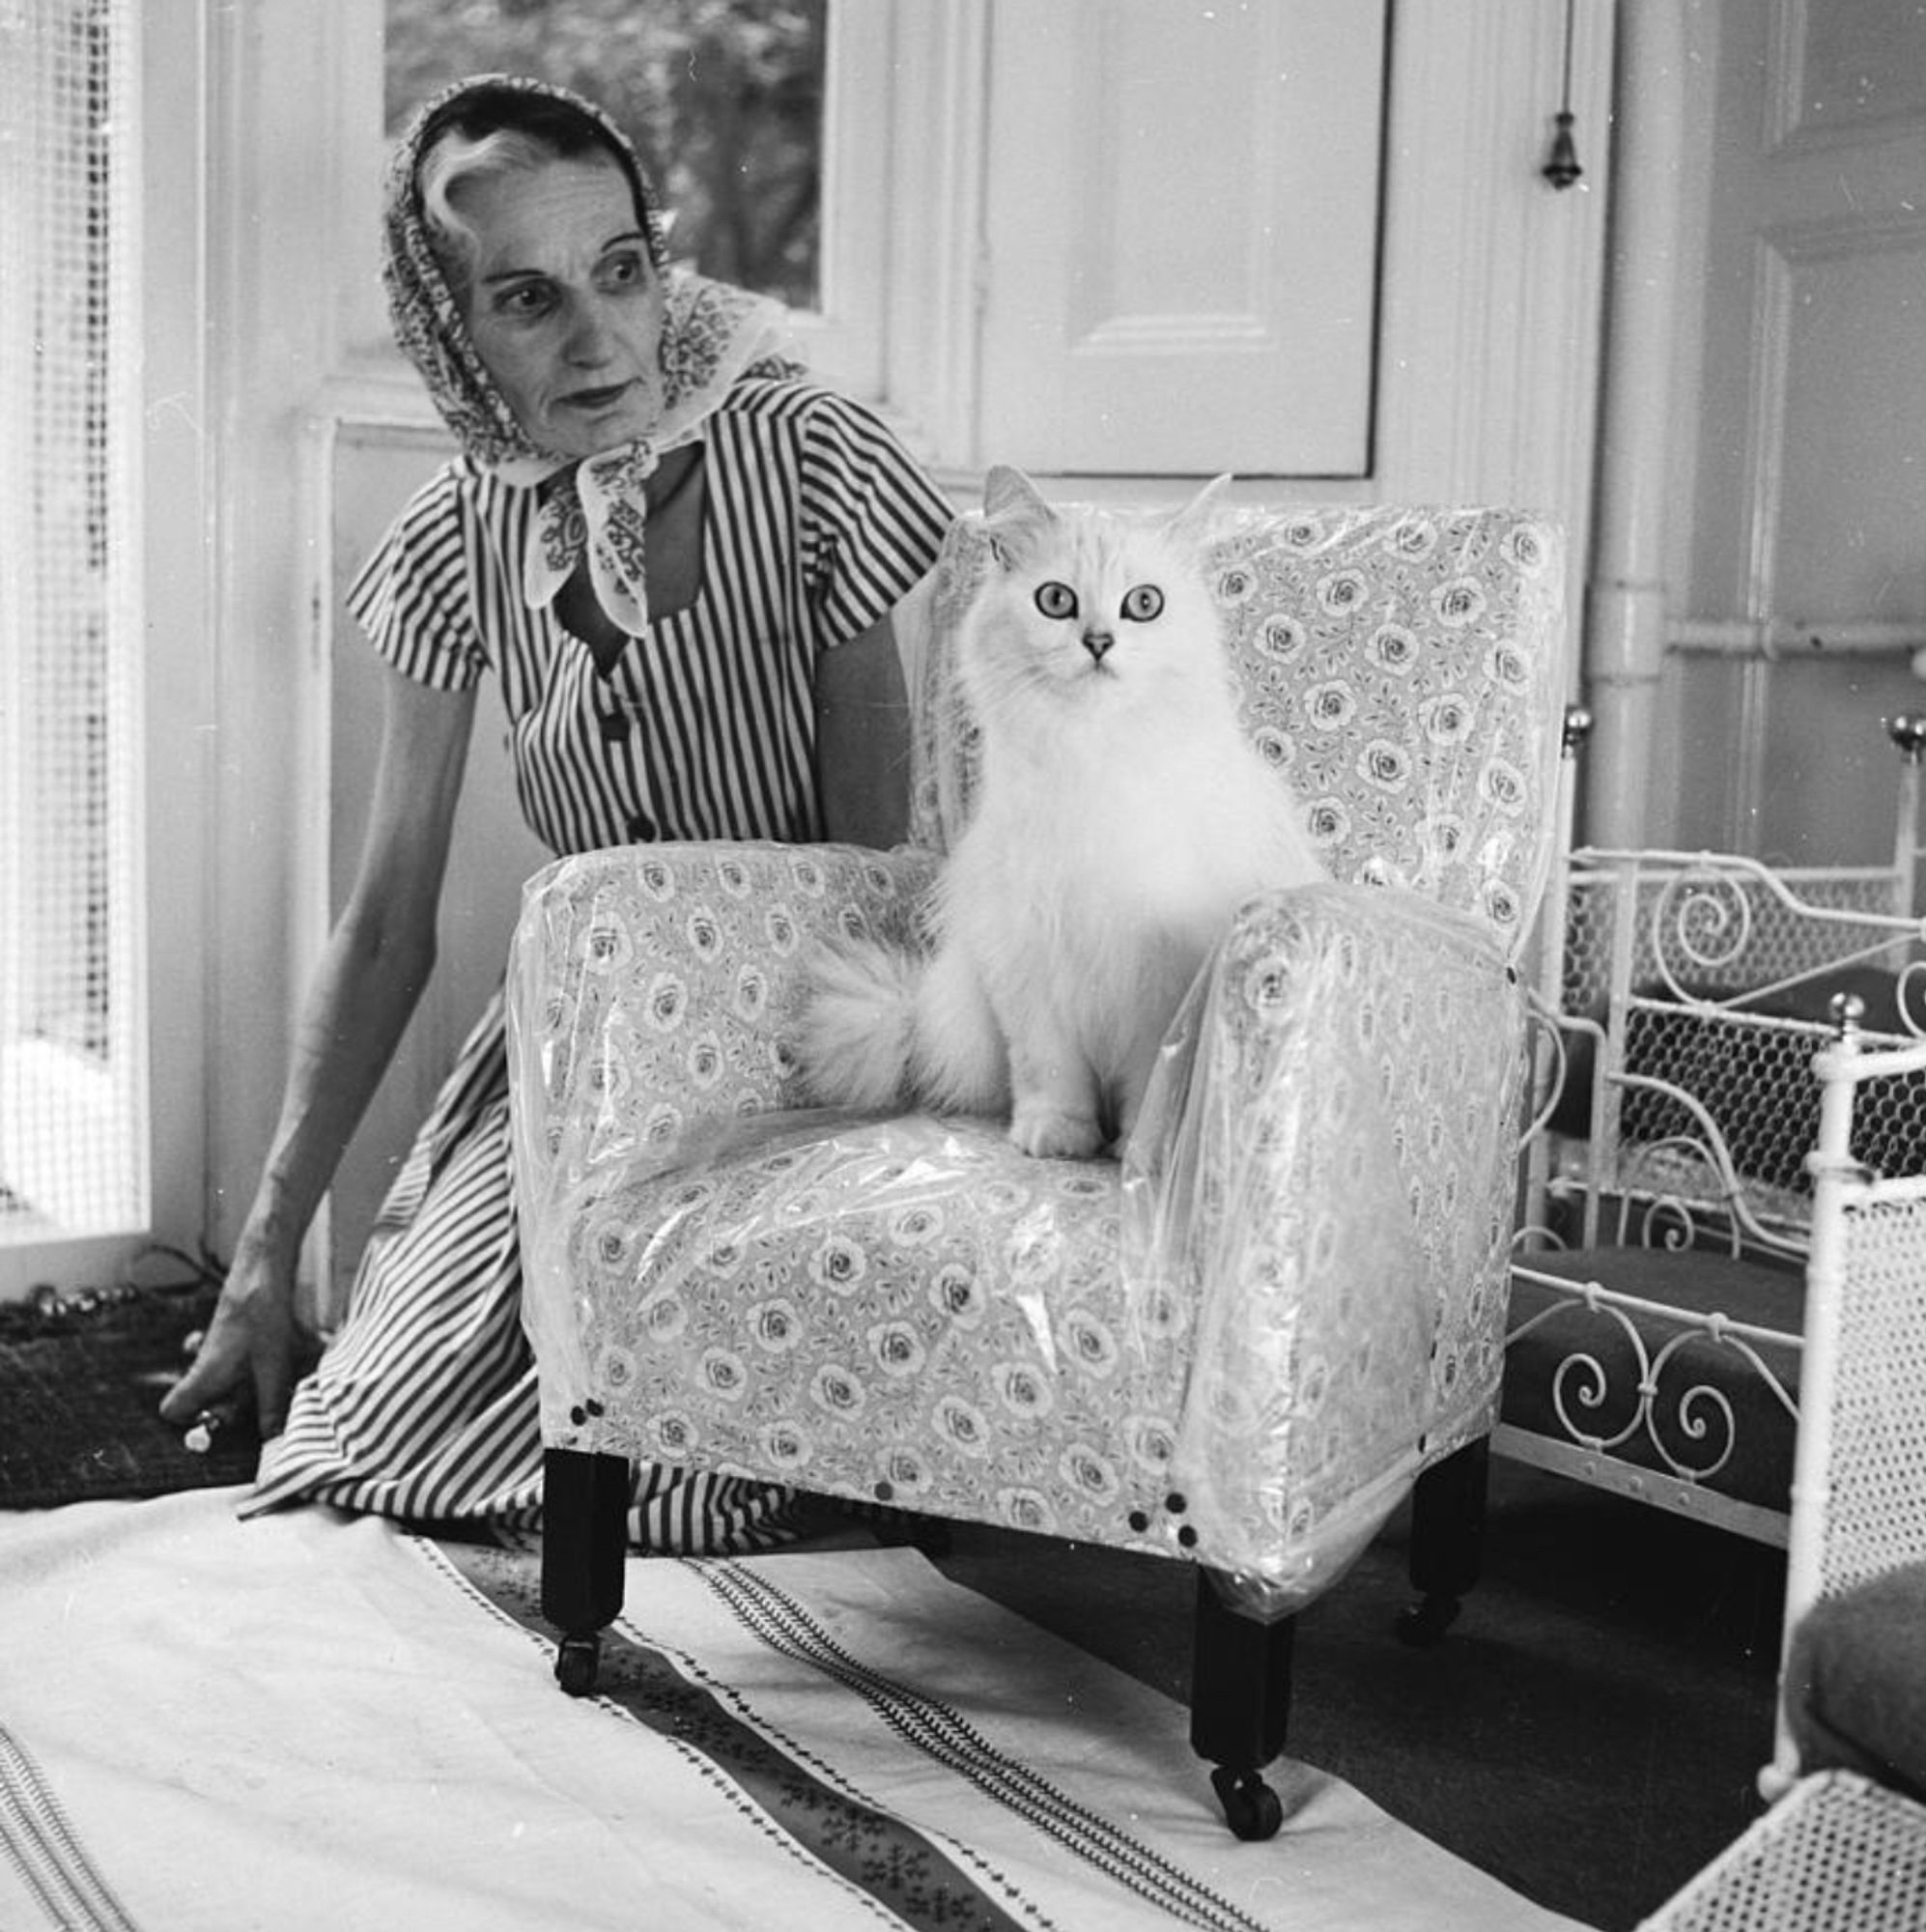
<point>1838,1853</point>
<point>1237,1348</point>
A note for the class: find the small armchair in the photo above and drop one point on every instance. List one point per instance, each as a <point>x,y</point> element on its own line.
<point>1238,1346</point>
<point>1843,1846</point>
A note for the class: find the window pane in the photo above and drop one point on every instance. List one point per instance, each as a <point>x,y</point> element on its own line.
<point>723,100</point>
<point>73,1032</point>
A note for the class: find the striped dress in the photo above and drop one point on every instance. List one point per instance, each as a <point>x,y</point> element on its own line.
<point>815,523</point>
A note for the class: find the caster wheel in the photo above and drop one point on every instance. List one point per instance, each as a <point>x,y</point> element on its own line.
<point>1425,1622</point>
<point>1252,1809</point>
<point>578,1660</point>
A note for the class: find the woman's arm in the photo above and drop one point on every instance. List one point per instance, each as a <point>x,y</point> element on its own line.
<point>376,961</point>
<point>862,740</point>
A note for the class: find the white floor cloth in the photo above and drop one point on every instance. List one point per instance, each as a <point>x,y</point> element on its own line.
<point>312,1720</point>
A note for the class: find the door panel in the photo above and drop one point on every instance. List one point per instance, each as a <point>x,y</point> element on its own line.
<point>1182,236</point>
<point>1809,488</point>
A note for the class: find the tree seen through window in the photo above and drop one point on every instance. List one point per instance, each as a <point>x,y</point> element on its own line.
<point>722,98</point>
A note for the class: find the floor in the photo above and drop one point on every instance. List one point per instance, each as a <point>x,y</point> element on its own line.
<point>1590,1730</point>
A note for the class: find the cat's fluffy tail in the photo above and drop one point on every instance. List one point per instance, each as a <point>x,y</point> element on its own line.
<point>885,1028</point>
<point>858,1031</point>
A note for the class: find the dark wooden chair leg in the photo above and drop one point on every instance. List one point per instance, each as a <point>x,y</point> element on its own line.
<point>1240,1705</point>
<point>584,1539</point>
<point>1447,1541</point>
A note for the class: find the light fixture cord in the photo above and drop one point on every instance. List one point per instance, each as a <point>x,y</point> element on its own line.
<point>1561,168</point>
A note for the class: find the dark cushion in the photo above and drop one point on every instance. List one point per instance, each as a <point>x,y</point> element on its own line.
<point>1753,1451</point>
<point>1855,1681</point>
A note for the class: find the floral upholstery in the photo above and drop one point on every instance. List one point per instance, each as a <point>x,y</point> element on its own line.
<point>1238,1343</point>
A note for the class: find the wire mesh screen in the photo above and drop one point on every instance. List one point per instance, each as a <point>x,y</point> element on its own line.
<point>1715,978</point>
<point>72,1097</point>
<point>1753,1079</point>
<point>1715,929</point>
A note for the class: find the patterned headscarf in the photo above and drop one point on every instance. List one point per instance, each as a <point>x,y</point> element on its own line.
<point>713,335</point>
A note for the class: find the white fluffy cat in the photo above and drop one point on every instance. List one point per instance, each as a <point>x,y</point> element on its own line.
<point>1120,817</point>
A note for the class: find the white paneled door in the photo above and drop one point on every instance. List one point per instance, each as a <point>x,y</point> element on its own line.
<point>1807,581</point>
<point>1182,228</point>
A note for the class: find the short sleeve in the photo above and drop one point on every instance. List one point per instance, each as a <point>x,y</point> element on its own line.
<point>872,521</point>
<point>414,596</point>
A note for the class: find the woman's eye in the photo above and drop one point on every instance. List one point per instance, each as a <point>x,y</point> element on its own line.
<point>1056,599</point>
<point>625,270</point>
<point>1142,602</point>
<point>523,299</point>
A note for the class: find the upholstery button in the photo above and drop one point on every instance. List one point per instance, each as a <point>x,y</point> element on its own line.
<point>1174,1502</point>
<point>1137,1522</point>
<point>1187,1536</point>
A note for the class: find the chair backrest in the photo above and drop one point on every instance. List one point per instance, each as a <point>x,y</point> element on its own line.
<point>1404,669</point>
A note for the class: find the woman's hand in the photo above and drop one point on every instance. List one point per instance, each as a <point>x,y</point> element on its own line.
<point>377,960</point>
<point>248,1359</point>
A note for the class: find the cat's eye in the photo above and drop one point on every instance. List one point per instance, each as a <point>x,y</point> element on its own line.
<point>1056,599</point>
<point>1142,602</point>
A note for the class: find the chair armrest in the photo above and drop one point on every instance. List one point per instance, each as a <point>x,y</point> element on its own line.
<point>1323,1177</point>
<point>649,991</point>
<point>650,988</point>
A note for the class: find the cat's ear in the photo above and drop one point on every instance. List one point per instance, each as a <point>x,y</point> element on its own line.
<point>1192,523</point>
<point>1016,514</point>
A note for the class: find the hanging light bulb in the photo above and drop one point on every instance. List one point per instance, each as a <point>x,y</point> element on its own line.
<point>1561,167</point>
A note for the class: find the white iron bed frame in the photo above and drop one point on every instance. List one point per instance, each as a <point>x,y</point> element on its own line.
<point>1689,988</point>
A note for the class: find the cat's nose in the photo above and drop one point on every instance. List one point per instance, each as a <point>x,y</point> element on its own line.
<point>1098,643</point>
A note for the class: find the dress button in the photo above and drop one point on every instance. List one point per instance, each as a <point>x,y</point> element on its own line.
<point>639,828</point>
<point>615,725</point>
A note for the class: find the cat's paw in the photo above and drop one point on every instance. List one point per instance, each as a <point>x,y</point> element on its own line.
<point>1049,1133</point>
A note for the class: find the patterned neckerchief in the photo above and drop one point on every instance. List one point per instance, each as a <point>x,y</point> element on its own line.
<point>713,335</point>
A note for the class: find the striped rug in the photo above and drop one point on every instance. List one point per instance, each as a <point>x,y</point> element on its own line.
<point>312,1720</point>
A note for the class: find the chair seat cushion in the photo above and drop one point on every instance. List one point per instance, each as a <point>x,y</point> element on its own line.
<point>1855,1681</point>
<point>1648,1388</point>
<point>907,1310</point>
<point>910,1311</point>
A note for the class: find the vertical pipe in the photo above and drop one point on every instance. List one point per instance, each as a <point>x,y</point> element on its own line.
<point>1626,600</point>
<point>1908,734</point>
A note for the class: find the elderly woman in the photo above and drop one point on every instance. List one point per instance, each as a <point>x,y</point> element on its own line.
<point>680,560</point>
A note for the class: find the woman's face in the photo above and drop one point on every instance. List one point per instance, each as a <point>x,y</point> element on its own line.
<point>565,305</point>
